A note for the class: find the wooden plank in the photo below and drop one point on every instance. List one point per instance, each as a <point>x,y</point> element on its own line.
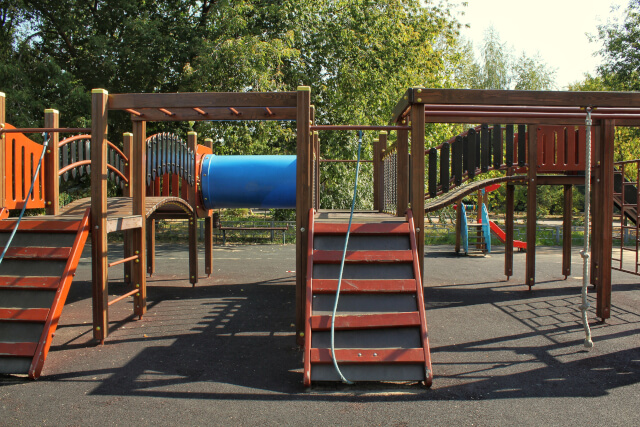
<point>365,228</point>
<point>201,100</point>
<point>151,246</point>
<point>52,164</point>
<point>524,97</point>
<point>366,321</point>
<point>402,172</point>
<point>37,253</point>
<point>332,257</point>
<point>138,192</point>
<point>505,120</point>
<point>212,114</point>
<point>32,282</point>
<point>509,221</point>
<point>532,154</point>
<point>399,355</point>
<point>303,202</point>
<point>24,315</point>
<point>560,180</point>
<point>417,177</point>
<point>99,123</point>
<point>354,286</point>
<point>379,176</point>
<point>3,166</point>
<point>18,349</point>
<point>40,225</point>
<point>401,107</point>
<point>603,303</point>
<point>192,142</point>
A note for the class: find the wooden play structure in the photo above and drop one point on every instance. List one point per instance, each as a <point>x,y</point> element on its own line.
<point>380,329</point>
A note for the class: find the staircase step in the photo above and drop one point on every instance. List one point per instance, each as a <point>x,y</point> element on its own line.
<point>24,315</point>
<point>351,286</point>
<point>20,349</point>
<point>362,242</point>
<point>368,228</point>
<point>366,355</point>
<point>330,257</point>
<point>48,226</point>
<point>31,283</point>
<point>366,321</point>
<point>38,253</point>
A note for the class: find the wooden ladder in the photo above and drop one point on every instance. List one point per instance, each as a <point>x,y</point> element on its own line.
<point>380,325</point>
<point>35,277</point>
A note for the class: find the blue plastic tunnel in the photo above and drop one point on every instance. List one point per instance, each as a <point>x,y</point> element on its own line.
<point>249,182</point>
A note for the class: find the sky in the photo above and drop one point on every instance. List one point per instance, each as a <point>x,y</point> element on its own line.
<point>555,29</point>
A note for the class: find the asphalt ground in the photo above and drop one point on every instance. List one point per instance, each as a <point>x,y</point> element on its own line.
<point>224,353</point>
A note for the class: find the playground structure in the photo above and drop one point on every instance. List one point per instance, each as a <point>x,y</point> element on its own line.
<point>382,335</point>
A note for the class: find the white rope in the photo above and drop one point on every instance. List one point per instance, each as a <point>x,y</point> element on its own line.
<point>585,253</point>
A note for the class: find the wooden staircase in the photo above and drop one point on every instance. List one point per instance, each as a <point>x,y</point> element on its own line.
<point>35,277</point>
<point>380,325</point>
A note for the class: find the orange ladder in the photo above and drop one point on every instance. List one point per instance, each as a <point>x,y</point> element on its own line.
<point>35,277</point>
<point>380,325</point>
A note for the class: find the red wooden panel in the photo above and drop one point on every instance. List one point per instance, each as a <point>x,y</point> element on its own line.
<point>372,228</point>
<point>165,184</point>
<point>353,286</point>
<point>20,349</point>
<point>327,257</point>
<point>366,321</point>
<point>38,253</point>
<point>561,148</point>
<point>395,355</point>
<point>46,283</point>
<point>41,225</point>
<point>25,315</point>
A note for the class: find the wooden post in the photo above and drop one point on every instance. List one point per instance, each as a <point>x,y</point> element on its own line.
<point>316,145</point>
<point>151,246</point>
<point>417,178</point>
<point>52,164</point>
<point>532,183</point>
<point>99,275</point>
<point>458,225</point>
<point>509,220</point>
<point>567,216</point>
<point>402,175</point>
<point>303,204</point>
<point>138,236</point>
<point>192,142</point>
<point>208,230</point>
<point>381,148</point>
<point>3,119</point>
<point>605,175</point>
<point>127,147</point>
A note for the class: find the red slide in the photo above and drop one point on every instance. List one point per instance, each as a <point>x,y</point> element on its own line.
<point>503,237</point>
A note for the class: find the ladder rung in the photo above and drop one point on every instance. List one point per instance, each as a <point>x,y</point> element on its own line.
<point>38,253</point>
<point>370,228</point>
<point>353,286</point>
<point>20,349</point>
<point>45,283</point>
<point>366,321</point>
<point>395,355</point>
<point>24,314</point>
<point>320,256</point>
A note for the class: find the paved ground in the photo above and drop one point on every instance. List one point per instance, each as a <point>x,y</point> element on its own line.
<point>223,353</point>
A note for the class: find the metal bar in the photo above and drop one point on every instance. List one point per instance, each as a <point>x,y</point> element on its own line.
<point>121,297</point>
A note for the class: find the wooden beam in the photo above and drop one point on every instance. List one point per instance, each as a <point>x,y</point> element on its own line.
<point>303,204</point>
<point>524,97</point>
<point>139,192</point>
<point>603,305</point>
<point>505,120</point>
<point>3,118</point>
<point>402,172</point>
<point>532,183</point>
<point>379,148</point>
<point>99,122</point>
<point>417,178</point>
<point>208,229</point>
<point>192,143</point>
<point>127,148</point>
<point>509,220</point>
<point>567,216</point>
<point>52,164</point>
<point>202,100</point>
<point>560,180</point>
<point>213,114</point>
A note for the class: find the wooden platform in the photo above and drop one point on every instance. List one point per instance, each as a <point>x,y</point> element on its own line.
<point>119,210</point>
<point>359,217</point>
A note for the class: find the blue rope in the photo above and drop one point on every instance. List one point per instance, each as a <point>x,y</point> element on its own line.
<point>24,207</point>
<point>344,255</point>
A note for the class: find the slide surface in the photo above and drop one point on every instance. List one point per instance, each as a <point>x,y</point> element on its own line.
<point>503,237</point>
